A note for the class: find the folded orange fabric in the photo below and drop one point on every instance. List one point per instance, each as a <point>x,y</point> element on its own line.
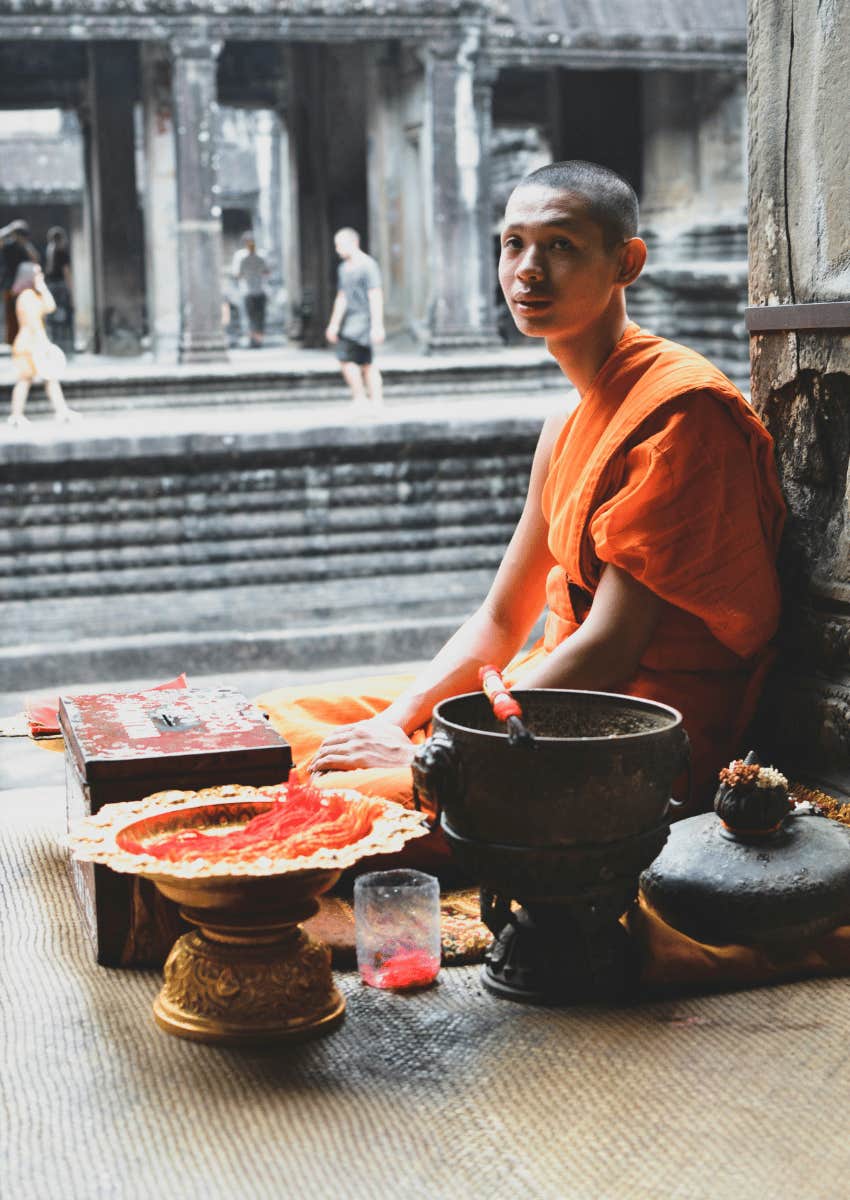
<point>674,962</point>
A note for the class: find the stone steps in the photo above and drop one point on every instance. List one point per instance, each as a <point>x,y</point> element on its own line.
<point>128,551</point>
<point>299,380</point>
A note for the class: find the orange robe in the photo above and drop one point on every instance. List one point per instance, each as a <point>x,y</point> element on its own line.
<point>664,470</point>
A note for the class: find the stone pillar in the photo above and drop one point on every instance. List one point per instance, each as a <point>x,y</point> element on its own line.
<point>722,143</point>
<point>485,80</point>
<point>308,121</point>
<point>799,234</point>
<point>81,274</point>
<point>670,162</point>
<point>287,214</point>
<point>384,165</point>
<point>460,313</point>
<point>268,201</point>
<point>160,202</point>
<point>116,221</point>
<point>199,225</point>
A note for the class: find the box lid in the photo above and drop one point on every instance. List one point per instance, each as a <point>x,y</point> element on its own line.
<point>157,733</point>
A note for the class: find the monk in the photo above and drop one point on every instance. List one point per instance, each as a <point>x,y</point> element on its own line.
<point>650,529</point>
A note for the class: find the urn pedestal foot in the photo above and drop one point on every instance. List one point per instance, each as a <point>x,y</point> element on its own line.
<point>558,954</point>
<point>241,989</point>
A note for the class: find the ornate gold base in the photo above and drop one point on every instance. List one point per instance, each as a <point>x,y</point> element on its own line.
<point>235,993</point>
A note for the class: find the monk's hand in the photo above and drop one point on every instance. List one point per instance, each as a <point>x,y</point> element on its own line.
<point>372,743</point>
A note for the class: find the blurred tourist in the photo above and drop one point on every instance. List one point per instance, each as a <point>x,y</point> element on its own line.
<point>15,248</point>
<point>57,275</point>
<point>250,271</point>
<point>357,319</point>
<point>33,354</point>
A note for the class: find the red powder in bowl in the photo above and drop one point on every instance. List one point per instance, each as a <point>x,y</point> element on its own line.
<point>301,820</point>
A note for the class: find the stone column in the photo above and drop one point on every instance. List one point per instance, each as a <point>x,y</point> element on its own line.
<point>116,224</point>
<point>799,233</point>
<point>81,274</point>
<point>307,122</point>
<point>670,159</point>
<point>287,215</point>
<point>461,314</point>
<point>268,200</point>
<point>485,80</point>
<point>199,224</point>
<point>160,202</point>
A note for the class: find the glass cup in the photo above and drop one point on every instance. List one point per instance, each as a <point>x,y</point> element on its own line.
<point>397,928</point>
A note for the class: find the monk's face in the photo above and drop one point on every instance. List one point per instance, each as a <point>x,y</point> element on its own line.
<point>556,272</point>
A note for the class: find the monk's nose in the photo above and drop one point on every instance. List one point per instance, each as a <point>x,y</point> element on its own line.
<point>530,267</point>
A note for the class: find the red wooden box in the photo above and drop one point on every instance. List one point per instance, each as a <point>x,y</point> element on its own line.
<point>123,747</point>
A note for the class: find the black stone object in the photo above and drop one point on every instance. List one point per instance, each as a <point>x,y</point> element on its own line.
<point>556,836</point>
<point>783,889</point>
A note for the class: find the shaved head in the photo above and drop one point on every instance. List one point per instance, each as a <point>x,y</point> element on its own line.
<point>611,201</point>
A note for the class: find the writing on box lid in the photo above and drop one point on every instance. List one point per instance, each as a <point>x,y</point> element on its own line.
<point>159,727</point>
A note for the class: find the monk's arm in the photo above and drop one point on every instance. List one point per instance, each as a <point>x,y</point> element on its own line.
<point>493,634</point>
<point>607,648</point>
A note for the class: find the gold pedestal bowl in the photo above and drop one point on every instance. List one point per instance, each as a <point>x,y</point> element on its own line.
<point>248,972</point>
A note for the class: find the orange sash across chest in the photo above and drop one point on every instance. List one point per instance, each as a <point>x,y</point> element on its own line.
<point>649,473</point>
<point>644,376</point>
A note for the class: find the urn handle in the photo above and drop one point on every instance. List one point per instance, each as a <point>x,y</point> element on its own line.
<point>685,766</point>
<point>436,775</point>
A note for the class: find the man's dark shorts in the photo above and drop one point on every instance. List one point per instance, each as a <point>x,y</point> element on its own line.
<point>354,352</point>
<point>255,308</point>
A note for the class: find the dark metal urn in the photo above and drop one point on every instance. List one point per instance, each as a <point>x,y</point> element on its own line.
<point>556,834</point>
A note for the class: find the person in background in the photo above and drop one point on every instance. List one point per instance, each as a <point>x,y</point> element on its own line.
<point>250,272</point>
<point>15,248</point>
<point>357,318</point>
<point>57,276</point>
<point>33,354</point>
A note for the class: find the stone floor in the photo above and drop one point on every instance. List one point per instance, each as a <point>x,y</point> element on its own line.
<point>439,1095</point>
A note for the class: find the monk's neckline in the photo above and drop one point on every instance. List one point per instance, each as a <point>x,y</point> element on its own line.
<point>626,336</point>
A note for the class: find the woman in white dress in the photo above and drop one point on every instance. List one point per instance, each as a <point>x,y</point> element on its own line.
<point>33,354</point>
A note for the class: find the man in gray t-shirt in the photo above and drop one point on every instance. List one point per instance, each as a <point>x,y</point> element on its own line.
<point>250,272</point>
<point>357,319</point>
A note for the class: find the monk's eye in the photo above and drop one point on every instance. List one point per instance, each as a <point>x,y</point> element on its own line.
<point>562,244</point>
<point>511,243</point>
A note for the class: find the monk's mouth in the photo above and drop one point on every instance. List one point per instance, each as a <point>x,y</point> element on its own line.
<point>532,307</point>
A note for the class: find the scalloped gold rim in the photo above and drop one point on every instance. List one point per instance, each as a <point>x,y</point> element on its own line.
<point>94,838</point>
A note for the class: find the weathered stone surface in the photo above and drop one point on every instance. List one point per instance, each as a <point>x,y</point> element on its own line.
<point>198,226</point>
<point>800,225</point>
<point>116,218</point>
<point>371,542</point>
<point>461,313</point>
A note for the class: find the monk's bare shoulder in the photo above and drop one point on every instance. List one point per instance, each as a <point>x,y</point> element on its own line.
<point>549,434</point>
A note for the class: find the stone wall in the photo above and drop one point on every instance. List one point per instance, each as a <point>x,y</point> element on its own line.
<point>800,231</point>
<point>134,554</point>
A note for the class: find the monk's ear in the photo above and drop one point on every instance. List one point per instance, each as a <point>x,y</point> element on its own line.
<point>632,257</point>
